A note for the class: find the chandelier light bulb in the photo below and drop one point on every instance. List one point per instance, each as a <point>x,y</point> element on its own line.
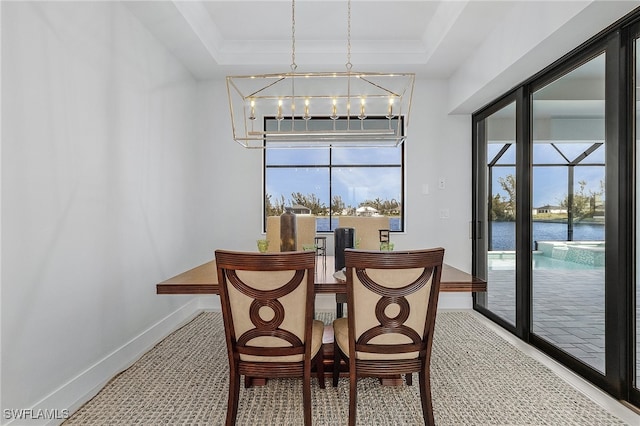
<point>334,113</point>
<point>279,116</point>
<point>390,114</point>
<point>253,110</point>
<point>306,115</point>
<point>362,115</point>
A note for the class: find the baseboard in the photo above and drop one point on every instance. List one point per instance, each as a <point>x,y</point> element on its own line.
<point>76,392</point>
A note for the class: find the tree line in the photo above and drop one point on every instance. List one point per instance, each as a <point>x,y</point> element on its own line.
<point>277,206</point>
<point>582,204</point>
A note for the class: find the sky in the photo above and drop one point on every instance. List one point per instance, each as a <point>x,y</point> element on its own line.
<point>550,182</point>
<point>350,180</point>
<point>356,184</point>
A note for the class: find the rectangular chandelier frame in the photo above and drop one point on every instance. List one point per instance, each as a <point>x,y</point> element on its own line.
<point>348,109</point>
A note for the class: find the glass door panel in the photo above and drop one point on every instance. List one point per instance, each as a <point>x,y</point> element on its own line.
<point>500,137</point>
<point>568,213</point>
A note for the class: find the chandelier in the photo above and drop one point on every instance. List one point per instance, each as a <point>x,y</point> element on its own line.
<point>320,109</point>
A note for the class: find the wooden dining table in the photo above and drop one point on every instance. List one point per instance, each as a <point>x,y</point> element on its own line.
<point>203,279</point>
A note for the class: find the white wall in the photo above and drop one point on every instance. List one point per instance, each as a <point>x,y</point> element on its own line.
<point>100,196</point>
<point>438,146</point>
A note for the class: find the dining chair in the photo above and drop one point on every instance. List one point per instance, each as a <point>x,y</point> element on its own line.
<point>391,310</point>
<point>367,229</point>
<point>267,306</point>
<point>305,232</point>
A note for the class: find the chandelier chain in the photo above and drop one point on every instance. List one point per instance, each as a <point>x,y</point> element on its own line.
<point>348,64</point>
<point>293,35</point>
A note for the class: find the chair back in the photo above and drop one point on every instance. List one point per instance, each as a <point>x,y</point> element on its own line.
<point>267,304</point>
<point>367,229</point>
<point>305,232</point>
<point>393,299</point>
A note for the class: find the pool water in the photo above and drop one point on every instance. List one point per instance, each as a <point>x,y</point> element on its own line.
<point>506,261</point>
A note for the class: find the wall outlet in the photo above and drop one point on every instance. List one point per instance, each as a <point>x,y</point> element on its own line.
<point>441,183</point>
<point>444,213</point>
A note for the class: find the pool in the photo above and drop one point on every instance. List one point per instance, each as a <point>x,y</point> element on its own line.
<point>505,260</point>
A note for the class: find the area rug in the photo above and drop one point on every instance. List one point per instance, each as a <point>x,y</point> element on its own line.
<point>477,378</point>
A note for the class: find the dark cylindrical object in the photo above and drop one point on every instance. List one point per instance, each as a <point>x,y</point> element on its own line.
<point>288,231</point>
<point>344,238</point>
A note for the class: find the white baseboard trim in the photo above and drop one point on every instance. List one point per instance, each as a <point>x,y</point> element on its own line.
<point>77,391</point>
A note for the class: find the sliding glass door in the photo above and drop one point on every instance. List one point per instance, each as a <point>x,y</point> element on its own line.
<point>568,199</point>
<point>636,137</point>
<point>556,218</point>
<point>498,248</point>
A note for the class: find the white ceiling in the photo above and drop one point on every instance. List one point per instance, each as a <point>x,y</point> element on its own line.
<point>216,37</point>
<point>433,38</point>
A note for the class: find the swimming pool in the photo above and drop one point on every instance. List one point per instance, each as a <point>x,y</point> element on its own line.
<point>505,260</point>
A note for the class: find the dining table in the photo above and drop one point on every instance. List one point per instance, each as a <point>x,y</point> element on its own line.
<point>203,279</point>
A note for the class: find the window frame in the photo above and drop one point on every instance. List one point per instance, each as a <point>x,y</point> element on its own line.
<point>330,166</point>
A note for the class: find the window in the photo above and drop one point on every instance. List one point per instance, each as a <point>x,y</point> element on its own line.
<point>331,182</point>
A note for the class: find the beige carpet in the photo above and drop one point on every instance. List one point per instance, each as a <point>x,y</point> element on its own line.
<point>477,379</point>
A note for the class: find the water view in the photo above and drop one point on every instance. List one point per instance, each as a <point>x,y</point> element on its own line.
<point>324,224</point>
<point>504,233</point>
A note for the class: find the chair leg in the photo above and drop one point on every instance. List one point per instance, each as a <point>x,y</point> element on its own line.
<point>306,396</point>
<point>336,363</point>
<point>319,360</point>
<point>425,397</point>
<point>409,379</point>
<point>353,384</point>
<point>234,395</point>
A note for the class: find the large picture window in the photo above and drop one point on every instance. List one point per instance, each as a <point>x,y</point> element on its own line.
<point>331,182</point>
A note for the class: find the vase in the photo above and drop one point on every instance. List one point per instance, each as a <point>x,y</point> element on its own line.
<point>288,231</point>
<point>344,238</point>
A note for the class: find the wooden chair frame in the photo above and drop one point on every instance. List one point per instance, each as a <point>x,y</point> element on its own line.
<point>357,262</point>
<point>303,263</point>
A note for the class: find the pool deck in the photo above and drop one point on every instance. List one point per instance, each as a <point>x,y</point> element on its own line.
<point>568,308</point>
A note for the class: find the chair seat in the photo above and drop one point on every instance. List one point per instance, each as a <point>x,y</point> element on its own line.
<point>341,336</point>
<point>316,344</point>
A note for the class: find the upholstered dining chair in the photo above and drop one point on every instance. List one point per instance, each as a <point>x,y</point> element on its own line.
<point>391,310</point>
<point>267,306</point>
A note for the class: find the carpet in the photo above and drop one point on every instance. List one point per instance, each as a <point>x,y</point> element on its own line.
<point>477,378</point>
